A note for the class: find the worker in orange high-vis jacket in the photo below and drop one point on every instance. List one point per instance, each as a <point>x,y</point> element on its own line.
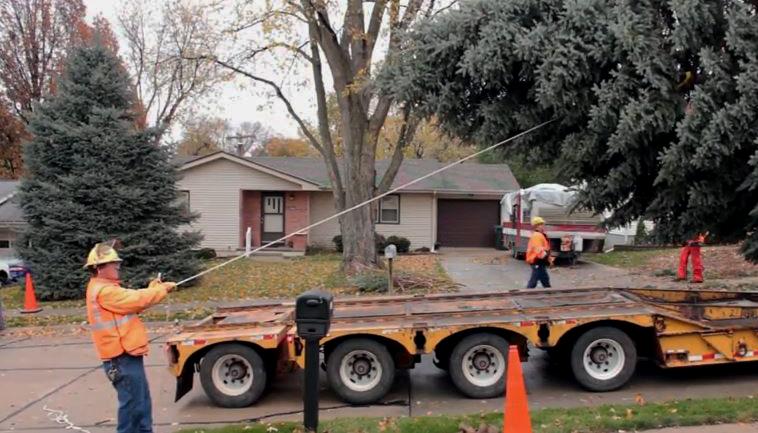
<point>691,248</point>
<point>119,335</point>
<point>538,254</point>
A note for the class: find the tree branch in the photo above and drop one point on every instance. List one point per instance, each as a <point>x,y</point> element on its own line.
<point>277,89</point>
<point>407,131</point>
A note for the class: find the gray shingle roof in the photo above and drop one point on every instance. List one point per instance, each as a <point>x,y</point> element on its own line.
<point>462,178</point>
<point>10,212</point>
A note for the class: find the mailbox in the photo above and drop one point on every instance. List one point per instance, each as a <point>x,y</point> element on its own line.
<point>390,251</point>
<point>313,313</point>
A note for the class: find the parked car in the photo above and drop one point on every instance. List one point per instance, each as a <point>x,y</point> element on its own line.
<point>12,270</point>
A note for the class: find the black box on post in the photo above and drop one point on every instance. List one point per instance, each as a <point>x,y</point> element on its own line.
<point>313,314</point>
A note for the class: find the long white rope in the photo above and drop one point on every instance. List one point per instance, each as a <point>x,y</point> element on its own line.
<point>378,197</point>
<point>61,418</point>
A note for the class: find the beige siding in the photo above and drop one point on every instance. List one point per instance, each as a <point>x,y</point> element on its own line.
<point>322,206</point>
<point>416,220</point>
<point>215,194</point>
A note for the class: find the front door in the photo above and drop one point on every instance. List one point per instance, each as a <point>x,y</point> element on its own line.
<point>273,217</point>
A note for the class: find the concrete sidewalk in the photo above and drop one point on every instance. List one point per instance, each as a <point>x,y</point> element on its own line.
<point>724,428</point>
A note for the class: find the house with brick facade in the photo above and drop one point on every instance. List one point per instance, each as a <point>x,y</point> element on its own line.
<point>275,196</point>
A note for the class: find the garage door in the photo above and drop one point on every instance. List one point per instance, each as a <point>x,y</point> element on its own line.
<point>467,223</point>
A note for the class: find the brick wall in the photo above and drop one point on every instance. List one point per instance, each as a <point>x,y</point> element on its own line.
<point>296,216</point>
<point>251,216</point>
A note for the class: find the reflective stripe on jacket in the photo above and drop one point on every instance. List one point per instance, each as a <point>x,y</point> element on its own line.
<point>538,248</point>
<point>112,314</point>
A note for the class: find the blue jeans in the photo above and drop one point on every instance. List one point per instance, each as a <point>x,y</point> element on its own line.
<point>135,412</point>
<point>539,272</point>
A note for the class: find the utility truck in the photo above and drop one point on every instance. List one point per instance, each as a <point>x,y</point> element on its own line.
<point>570,231</point>
<point>599,332</point>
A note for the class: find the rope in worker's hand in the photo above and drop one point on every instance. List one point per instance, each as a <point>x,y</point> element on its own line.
<point>378,197</point>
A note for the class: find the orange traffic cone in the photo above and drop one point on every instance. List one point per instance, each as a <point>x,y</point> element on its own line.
<point>516,415</point>
<point>30,300</point>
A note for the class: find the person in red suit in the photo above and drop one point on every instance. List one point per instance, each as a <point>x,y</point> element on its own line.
<point>692,249</point>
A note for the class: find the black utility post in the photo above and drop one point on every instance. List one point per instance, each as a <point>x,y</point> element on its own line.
<point>313,315</point>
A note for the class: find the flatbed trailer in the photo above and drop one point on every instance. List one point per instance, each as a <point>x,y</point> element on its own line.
<point>599,332</point>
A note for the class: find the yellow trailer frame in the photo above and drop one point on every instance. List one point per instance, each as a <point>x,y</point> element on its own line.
<point>677,328</point>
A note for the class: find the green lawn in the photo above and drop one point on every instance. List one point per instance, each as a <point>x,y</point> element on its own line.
<point>247,279</point>
<point>625,259</point>
<point>600,419</point>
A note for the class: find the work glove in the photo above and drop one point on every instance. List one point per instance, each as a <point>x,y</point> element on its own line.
<point>169,286</point>
<point>154,283</point>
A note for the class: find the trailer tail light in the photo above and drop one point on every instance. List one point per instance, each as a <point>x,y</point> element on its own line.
<point>567,243</point>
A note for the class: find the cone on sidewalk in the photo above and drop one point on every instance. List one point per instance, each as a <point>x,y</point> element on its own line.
<point>30,299</point>
<point>516,413</point>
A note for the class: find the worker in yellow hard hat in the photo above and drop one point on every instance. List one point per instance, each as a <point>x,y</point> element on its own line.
<point>120,336</point>
<point>538,254</point>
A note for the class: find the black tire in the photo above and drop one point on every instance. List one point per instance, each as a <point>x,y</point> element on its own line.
<point>239,352</point>
<point>602,360</point>
<point>374,358</point>
<point>443,363</point>
<point>4,280</point>
<point>465,385</point>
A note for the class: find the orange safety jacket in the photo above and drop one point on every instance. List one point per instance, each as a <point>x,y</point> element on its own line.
<point>112,314</point>
<point>538,248</point>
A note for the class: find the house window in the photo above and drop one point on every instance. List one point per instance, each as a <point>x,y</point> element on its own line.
<point>389,210</point>
<point>183,199</point>
<point>5,244</point>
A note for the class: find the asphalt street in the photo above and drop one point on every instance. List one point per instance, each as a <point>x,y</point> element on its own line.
<point>64,374</point>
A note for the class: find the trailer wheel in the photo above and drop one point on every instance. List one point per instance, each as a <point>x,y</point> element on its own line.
<point>360,371</point>
<point>233,375</point>
<point>603,359</point>
<point>478,365</point>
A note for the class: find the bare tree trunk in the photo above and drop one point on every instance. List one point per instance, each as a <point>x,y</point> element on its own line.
<point>359,172</point>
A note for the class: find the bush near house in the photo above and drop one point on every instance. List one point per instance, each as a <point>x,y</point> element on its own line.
<point>378,239</point>
<point>403,244</point>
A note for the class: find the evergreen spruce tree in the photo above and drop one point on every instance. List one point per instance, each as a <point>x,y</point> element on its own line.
<point>656,101</point>
<point>92,175</point>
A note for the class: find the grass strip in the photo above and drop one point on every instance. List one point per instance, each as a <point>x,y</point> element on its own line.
<point>599,419</point>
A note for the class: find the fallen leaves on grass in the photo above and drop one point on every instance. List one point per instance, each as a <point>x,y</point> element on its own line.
<point>722,262</point>
<point>483,428</point>
<point>286,278</point>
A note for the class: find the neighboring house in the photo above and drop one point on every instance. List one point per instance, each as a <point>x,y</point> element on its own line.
<point>278,196</point>
<point>11,218</point>
<point>625,235</point>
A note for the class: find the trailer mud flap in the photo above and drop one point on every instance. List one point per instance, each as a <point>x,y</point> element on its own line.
<point>184,383</point>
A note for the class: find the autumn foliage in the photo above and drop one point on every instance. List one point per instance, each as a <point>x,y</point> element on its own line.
<point>35,39</point>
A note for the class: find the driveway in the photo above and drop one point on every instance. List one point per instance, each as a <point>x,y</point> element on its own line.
<point>485,269</point>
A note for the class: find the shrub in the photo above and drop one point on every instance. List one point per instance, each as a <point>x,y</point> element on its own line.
<point>378,240</point>
<point>373,282</point>
<point>403,244</point>
<point>205,253</point>
<point>337,240</point>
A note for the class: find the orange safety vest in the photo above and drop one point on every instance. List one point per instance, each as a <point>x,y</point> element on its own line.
<point>112,314</point>
<point>538,248</point>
